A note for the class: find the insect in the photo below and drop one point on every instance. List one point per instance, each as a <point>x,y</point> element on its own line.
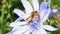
<point>43,13</point>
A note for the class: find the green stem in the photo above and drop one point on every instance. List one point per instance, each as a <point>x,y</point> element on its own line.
<point>2,16</point>
<point>2,21</point>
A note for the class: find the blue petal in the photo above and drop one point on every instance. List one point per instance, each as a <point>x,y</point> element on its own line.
<point>35,4</point>
<point>44,11</point>
<point>27,6</point>
<point>17,24</point>
<point>52,12</point>
<point>19,12</point>
<point>44,6</point>
<point>55,10</point>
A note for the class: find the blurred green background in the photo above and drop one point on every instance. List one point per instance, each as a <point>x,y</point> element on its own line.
<point>7,16</point>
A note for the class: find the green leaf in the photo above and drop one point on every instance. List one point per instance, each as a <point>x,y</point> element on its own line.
<point>8,16</point>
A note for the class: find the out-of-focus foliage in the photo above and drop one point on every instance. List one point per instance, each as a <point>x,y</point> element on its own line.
<point>7,16</point>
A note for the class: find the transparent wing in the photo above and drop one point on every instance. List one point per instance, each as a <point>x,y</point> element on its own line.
<point>19,12</point>
<point>35,4</point>
<point>50,28</point>
<point>27,6</point>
